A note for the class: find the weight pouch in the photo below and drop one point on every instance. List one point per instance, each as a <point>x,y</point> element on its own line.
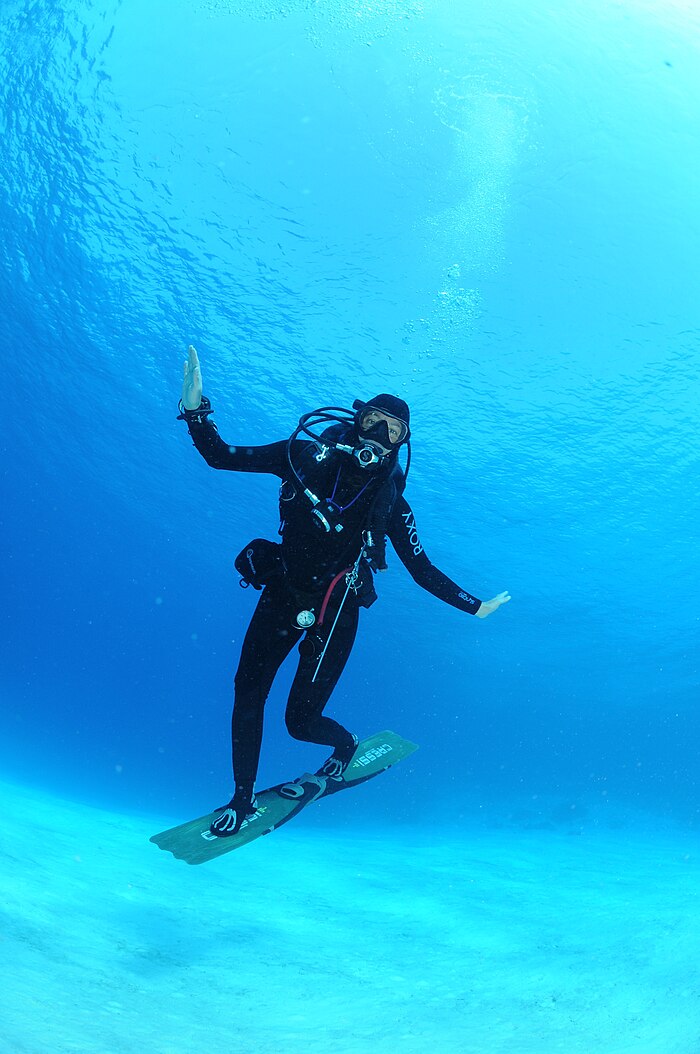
<point>259,562</point>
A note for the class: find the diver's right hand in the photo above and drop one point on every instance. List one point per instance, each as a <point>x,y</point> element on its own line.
<point>192,381</point>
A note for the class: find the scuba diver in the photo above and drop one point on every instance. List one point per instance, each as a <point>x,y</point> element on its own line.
<point>341,497</point>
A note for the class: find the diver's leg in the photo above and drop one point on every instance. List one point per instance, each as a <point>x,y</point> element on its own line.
<point>308,697</point>
<point>268,640</point>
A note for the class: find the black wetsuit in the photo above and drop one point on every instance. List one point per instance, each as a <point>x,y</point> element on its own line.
<point>311,559</point>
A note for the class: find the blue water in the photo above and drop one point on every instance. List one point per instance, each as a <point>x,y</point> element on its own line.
<point>495,216</point>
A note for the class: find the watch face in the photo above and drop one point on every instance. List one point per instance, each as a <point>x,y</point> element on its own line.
<point>305,619</point>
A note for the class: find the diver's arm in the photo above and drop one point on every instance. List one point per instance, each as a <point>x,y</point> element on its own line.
<point>271,458</point>
<point>195,409</point>
<point>404,538</point>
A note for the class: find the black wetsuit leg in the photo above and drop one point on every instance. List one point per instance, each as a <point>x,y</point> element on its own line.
<point>308,698</point>
<point>269,639</point>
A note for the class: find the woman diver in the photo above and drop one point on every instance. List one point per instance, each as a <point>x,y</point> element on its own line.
<point>341,497</point>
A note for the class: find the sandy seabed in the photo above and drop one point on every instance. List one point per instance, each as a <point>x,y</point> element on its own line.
<point>312,941</point>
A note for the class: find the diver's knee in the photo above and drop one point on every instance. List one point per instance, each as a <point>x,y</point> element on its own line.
<point>296,727</point>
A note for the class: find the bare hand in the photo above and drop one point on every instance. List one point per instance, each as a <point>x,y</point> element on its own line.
<point>487,606</point>
<point>192,381</point>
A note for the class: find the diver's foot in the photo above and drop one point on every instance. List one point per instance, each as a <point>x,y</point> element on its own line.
<point>334,768</point>
<point>233,816</point>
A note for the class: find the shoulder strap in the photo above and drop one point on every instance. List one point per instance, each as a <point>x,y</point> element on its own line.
<point>380,515</point>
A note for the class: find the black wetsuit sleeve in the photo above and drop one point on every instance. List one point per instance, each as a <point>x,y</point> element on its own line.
<point>271,458</point>
<point>403,535</point>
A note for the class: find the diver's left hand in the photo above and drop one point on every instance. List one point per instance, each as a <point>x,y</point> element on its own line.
<point>488,606</point>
